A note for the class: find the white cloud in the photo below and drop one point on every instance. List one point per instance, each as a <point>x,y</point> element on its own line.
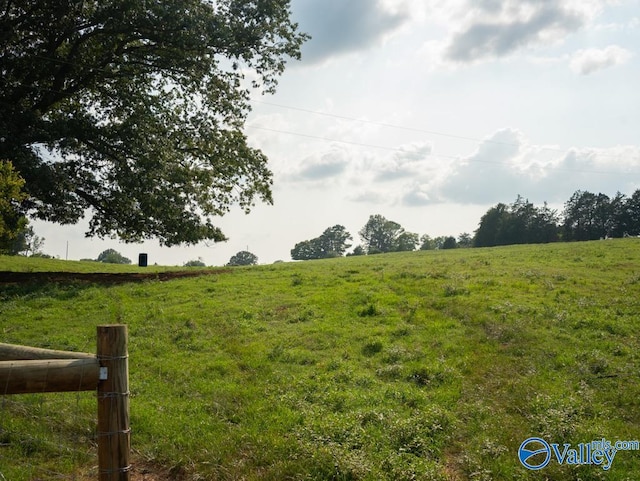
<point>497,29</point>
<point>409,161</point>
<point>588,61</point>
<point>506,165</point>
<point>338,26</point>
<point>370,196</point>
<point>418,195</point>
<point>319,167</point>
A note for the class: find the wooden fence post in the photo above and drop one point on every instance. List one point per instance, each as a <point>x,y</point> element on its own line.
<point>114,434</point>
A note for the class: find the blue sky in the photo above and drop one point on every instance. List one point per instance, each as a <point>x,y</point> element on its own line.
<point>430,112</point>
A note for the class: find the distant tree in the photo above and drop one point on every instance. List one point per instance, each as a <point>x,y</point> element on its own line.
<point>380,235</point>
<point>438,242</point>
<point>632,214</point>
<point>426,243</point>
<point>619,215</point>
<point>243,258</point>
<point>357,251</point>
<point>518,223</point>
<point>585,216</point>
<point>449,243</point>
<point>465,240</point>
<point>331,243</point>
<point>27,243</point>
<point>546,226</point>
<point>334,241</point>
<point>491,225</point>
<point>306,250</point>
<point>195,263</point>
<point>407,241</point>
<point>603,216</point>
<point>13,222</point>
<point>111,256</point>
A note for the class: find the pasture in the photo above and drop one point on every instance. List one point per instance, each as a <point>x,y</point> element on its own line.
<point>430,365</point>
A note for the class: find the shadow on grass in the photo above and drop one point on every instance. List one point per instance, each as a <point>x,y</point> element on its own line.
<point>32,290</point>
<point>67,285</point>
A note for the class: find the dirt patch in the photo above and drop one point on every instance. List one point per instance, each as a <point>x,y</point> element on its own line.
<point>101,277</point>
<point>143,471</point>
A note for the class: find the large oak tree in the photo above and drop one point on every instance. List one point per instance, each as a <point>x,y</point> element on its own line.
<point>132,110</point>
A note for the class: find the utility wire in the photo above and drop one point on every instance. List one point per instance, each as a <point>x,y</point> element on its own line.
<point>414,129</point>
<point>372,122</point>
<point>327,139</point>
<point>396,149</point>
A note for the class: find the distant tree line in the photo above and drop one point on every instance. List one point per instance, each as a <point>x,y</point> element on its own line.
<point>586,216</point>
<point>518,223</point>
<point>379,235</point>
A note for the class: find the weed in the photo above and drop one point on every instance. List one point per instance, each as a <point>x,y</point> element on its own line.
<point>451,290</point>
<point>369,311</point>
<point>391,373</point>
<point>425,376</point>
<point>372,348</point>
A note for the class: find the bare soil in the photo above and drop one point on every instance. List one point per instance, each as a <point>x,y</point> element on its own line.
<point>101,277</point>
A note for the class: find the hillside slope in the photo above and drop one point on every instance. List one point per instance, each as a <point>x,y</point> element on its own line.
<point>424,365</point>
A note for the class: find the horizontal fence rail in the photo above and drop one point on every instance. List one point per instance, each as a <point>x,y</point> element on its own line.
<point>25,369</point>
<point>14,352</point>
<point>50,375</point>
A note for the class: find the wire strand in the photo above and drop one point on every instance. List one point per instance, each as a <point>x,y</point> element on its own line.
<point>396,149</point>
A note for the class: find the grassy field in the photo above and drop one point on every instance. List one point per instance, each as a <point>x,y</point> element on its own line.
<point>429,365</point>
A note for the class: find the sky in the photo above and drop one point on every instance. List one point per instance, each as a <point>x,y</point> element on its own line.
<point>429,112</point>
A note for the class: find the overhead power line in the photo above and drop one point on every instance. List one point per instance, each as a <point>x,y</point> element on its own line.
<point>397,149</point>
<point>416,129</point>
<point>372,122</point>
<point>380,124</point>
<point>397,127</point>
<point>328,139</point>
<point>413,129</point>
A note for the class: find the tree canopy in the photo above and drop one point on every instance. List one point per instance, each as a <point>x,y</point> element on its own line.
<point>12,222</point>
<point>112,256</point>
<point>381,235</point>
<point>518,223</point>
<point>331,243</point>
<point>133,111</point>
<point>586,216</point>
<point>243,258</point>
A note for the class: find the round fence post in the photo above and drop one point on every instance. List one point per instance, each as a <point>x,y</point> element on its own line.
<point>114,433</point>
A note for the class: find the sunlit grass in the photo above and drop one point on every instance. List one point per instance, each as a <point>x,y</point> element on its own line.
<point>425,365</point>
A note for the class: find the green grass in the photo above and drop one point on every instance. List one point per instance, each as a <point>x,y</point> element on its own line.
<point>35,264</point>
<point>425,365</point>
